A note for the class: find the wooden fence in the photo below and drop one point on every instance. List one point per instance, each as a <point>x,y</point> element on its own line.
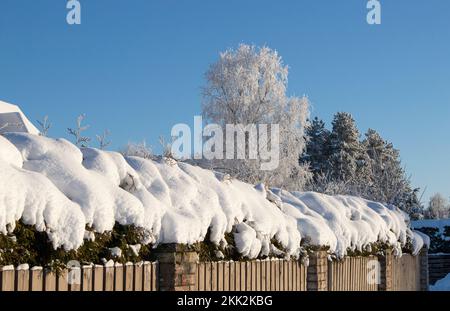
<point>353,274</point>
<point>439,266</point>
<point>183,271</point>
<point>258,275</point>
<point>406,273</point>
<point>128,277</point>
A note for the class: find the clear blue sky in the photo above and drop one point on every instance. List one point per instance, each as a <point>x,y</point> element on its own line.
<point>136,67</point>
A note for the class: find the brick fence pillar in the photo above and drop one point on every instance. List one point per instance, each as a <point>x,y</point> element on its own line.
<point>386,272</point>
<point>176,268</point>
<point>423,260</point>
<point>317,279</point>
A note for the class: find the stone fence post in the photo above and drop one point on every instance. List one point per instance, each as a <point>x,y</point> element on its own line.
<point>177,267</point>
<point>386,272</point>
<point>317,272</point>
<point>424,278</point>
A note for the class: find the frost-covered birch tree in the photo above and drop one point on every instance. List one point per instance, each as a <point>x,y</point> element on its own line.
<point>248,85</point>
<point>438,207</point>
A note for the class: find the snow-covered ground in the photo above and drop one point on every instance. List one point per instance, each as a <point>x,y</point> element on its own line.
<point>441,285</point>
<point>59,188</point>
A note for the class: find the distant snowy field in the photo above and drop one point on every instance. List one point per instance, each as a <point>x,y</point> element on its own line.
<point>60,189</point>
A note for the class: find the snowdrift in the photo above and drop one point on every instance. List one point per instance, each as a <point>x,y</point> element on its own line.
<point>33,198</point>
<point>442,285</point>
<point>59,188</point>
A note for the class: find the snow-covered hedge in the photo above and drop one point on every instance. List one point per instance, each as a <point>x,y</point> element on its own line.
<point>60,189</point>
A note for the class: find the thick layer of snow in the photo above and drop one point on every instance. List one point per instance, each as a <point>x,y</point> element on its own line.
<point>419,241</point>
<point>101,201</point>
<point>196,200</point>
<point>13,119</point>
<point>179,203</point>
<point>344,222</point>
<point>441,285</point>
<point>116,251</point>
<point>34,199</point>
<point>114,167</point>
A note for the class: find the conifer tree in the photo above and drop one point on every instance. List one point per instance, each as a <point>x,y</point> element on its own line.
<point>317,149</point>
<point>345,147</point>
<point>390,184</point>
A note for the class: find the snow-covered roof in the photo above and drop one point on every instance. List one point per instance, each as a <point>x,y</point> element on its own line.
<point>12,119</point>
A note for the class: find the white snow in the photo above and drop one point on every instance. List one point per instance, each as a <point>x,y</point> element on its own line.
<point>195,200</point>
<point>34,199</point>
<point>24,266</point>
<point>114,167</point>
<point>109,263</point>
<point>60,188</point>
<point>219,254</point>
<point>89,236</point>
<point>246,241</point>
<point>101,201</point>
<point>135,249</point>
<point>420,241</point>
<point>116,252</point>
<point>37,268</point>
<point>345,222</point>
<point>441,285</point>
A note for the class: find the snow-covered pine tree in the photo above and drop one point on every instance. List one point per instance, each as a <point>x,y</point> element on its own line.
<point>387,174</point>
<point>345,148</point>
<point>317,149</point>
<point>389,181</point>
<point>410,203</point>
<point>371,169</point>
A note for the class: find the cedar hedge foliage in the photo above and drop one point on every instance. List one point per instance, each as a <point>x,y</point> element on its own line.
<point>27,245</point>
